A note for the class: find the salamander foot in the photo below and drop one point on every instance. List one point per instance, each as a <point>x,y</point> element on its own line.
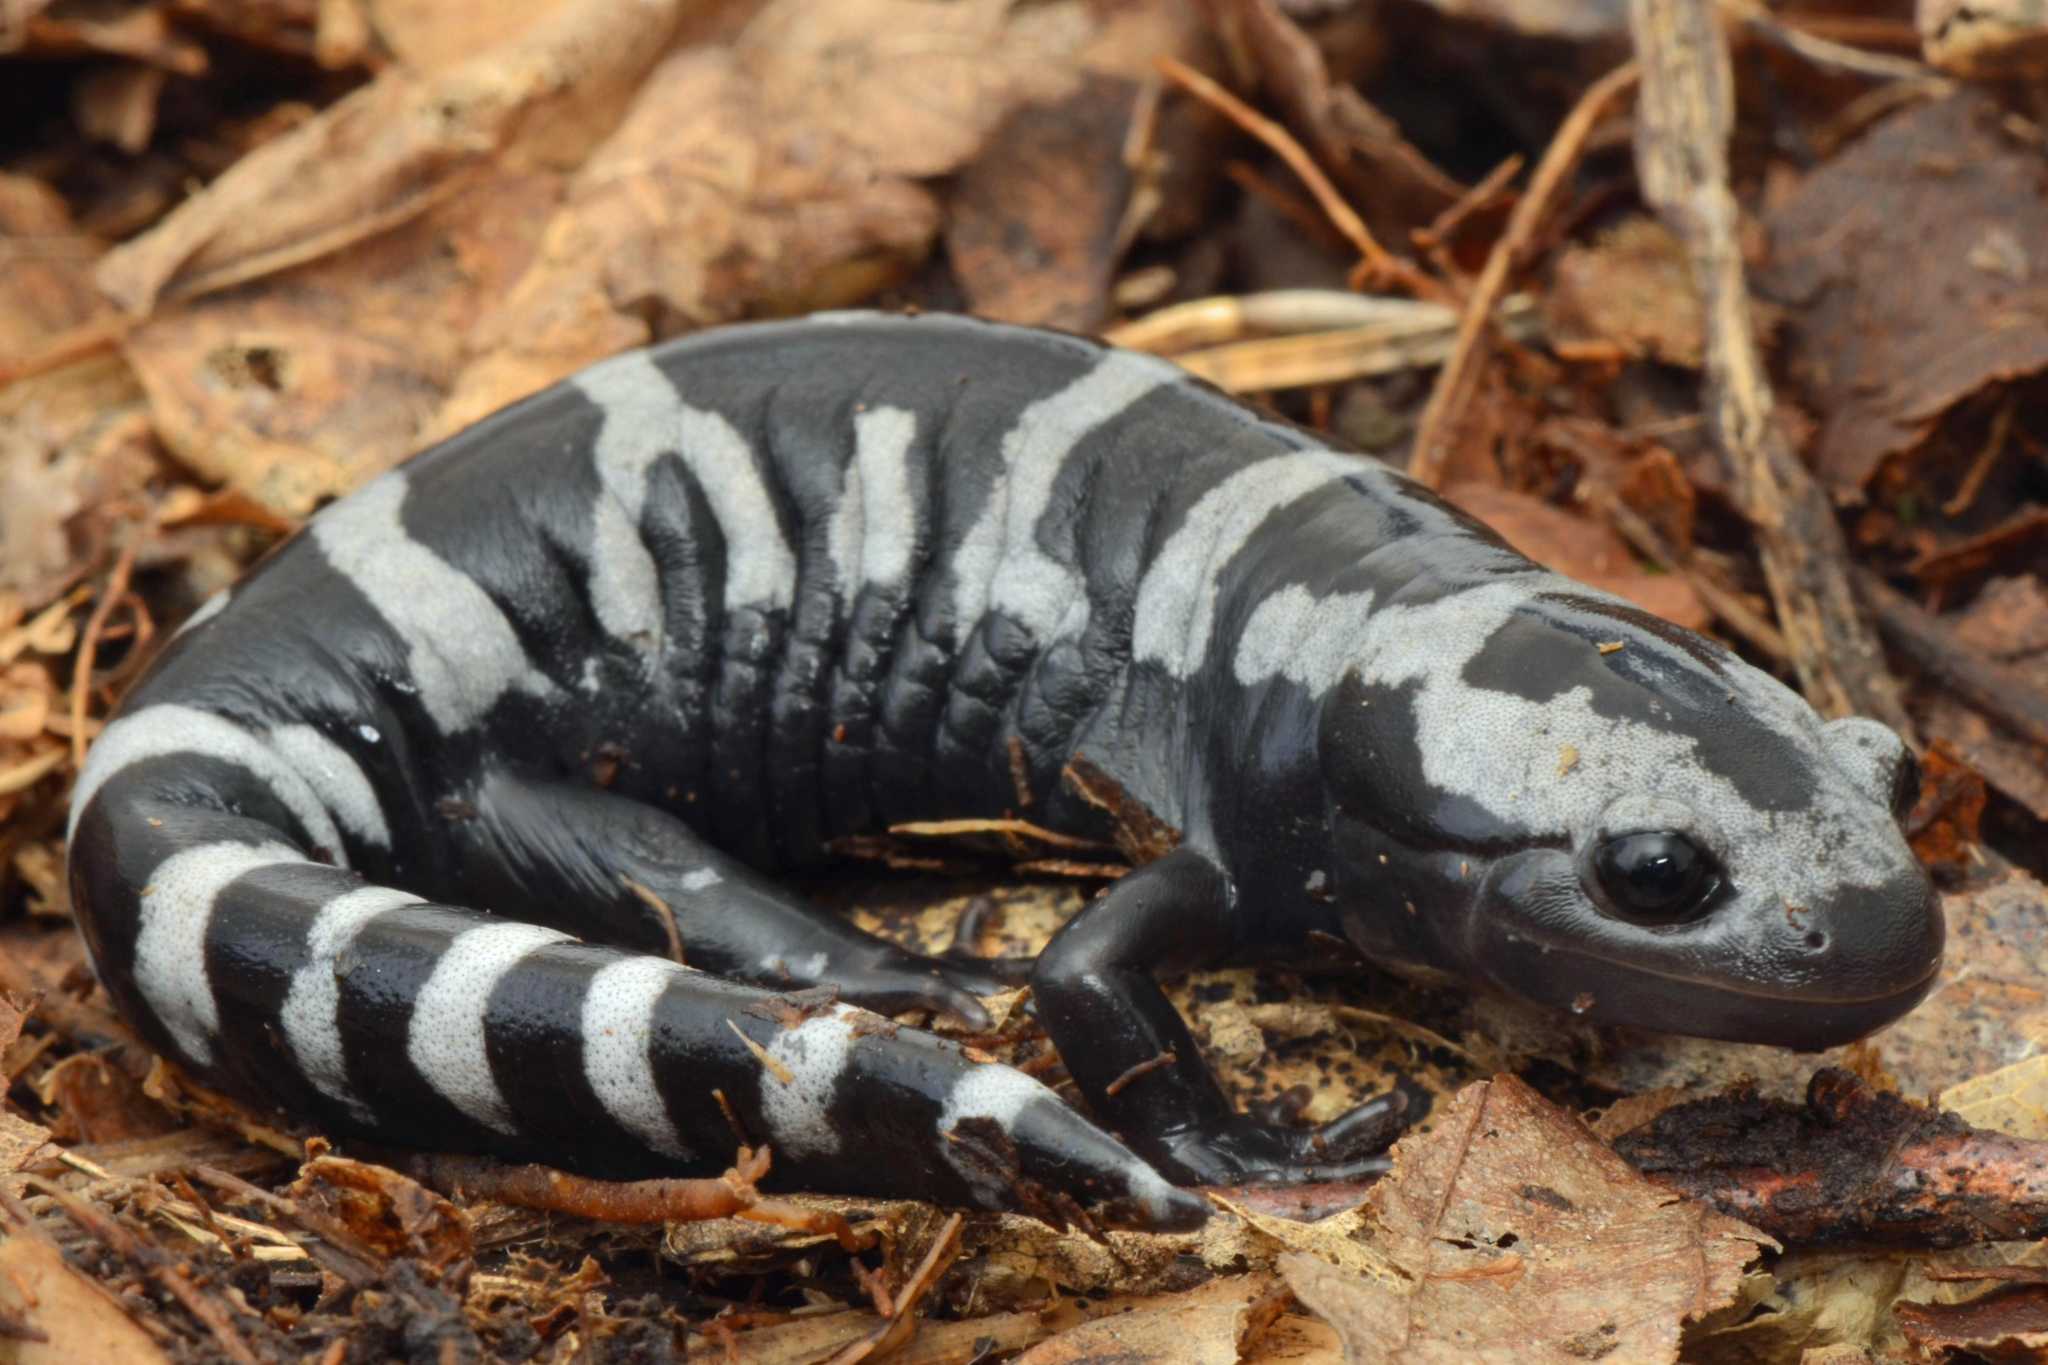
<point>1243,1150</point>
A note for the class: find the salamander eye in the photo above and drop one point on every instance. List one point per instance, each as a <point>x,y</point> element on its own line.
<point>1656,877</point>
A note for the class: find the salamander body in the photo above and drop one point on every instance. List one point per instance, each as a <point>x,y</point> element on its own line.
<point>404,833</point>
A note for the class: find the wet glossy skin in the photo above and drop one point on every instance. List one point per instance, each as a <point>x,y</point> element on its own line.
<point>588,670</point>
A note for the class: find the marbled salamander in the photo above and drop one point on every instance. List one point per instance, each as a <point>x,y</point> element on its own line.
<point>702,609</point>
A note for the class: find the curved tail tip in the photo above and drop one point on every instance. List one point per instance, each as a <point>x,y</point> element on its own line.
<point>1175,1210</point>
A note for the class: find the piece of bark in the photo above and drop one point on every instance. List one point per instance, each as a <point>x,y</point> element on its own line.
<point>1850,1166</point>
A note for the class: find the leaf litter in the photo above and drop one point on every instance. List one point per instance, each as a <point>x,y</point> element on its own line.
<point>225,300</point>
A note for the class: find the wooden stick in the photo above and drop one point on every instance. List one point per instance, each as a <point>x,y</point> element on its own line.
<point>2003,694</point>
<point>1684,119</point>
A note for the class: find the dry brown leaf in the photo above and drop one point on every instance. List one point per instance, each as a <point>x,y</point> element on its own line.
<point>1031,229</point>
<point>767,178</point>
<point>25,700</point>
<point>291,398</point>
<point>2013,1099</point>
<point>75,458</point>
<point>912,87</point>
<point>1911,266</point>
<point>427,35</point>
<point>14,1013</point>
<point>386,154</point>
<point>79,1320</point>
<point>1632,288</point>
<point>1523,1238</point>
<point>1342,1240</point>
<point>809,1340</point>
<point>21,1142</point>
<point>2008,622</point>
<point>45,268</point>
<point>1297,1339</point>
<point>96,1101</point>
<point>1212,1325</point>
<point>1989,751</point>
<point>446,264</point>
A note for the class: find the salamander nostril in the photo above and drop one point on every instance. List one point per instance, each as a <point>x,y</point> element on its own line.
<point>1816,940</point>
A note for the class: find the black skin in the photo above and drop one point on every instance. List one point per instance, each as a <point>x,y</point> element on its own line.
<point>758,737</point>
<point>1099,998</point>
<point>1095,985</point>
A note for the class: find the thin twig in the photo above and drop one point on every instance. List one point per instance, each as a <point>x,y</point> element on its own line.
<point>664,910</point>
<point>891,1334</point>
<point>1495,183</point>
<point>88,646</point>
<point>1227,317</point>
<point>1458,381</point>
<point>1987,458</point>
<point>1024,829</point>
<point>1377,261</point>
<point>1826,52</point>
<point>670,1200</point>
<point>1334,357</point>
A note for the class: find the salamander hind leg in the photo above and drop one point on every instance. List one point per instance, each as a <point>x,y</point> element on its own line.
<point>1137,1064</point>
<point>605,867</point>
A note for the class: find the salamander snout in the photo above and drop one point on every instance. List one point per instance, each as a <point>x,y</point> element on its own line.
<point>1665,918</point>
<point>1874,950</point>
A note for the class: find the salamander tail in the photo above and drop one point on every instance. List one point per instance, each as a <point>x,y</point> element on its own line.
<point>298,983</point>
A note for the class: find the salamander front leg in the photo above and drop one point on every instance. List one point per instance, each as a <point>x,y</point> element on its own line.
<point>1133,1057</point>
<point>615,871</point>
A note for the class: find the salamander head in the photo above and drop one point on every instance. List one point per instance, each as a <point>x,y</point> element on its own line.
<point>1599,811</point>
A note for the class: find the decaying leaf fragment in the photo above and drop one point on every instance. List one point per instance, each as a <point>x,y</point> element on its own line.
<point>2012,1099</point>
<point>1522,1238</point>
<point>389,1212</point>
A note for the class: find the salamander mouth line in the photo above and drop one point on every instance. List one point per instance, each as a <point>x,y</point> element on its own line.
<point>1707,983</point>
